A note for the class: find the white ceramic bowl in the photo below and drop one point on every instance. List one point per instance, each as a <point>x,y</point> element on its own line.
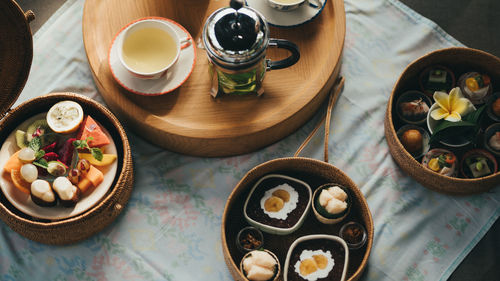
<point>272,229</point>
<point>314,237</point>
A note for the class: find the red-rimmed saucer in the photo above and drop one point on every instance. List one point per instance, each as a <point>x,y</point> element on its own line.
<point>176,76</point>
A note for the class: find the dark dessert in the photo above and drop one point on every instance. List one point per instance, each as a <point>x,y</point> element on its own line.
<point>478,163</point>
<point>441,161</point>
<point>249,238</point>
<point>316,258</point>
<point>354,235</point>
<point>412,140</point>
<point>278,201</point>
<point>436,78</point>
<point>475,86</point>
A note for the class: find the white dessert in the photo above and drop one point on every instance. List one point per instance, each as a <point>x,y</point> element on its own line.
<point>333,199</point>
<point>279,201</point>
<point>259,266</point>
<point>42,190</point>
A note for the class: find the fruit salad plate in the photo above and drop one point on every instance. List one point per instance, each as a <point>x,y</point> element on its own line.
<point>23,201</point>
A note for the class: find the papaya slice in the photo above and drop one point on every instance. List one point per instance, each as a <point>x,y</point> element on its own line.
<point>13,163</point>
<point>84,184</point>
<point>19,182</point>
<point>95,176</point>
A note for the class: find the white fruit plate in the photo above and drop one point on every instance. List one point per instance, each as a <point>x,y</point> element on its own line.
<point>23,202</point>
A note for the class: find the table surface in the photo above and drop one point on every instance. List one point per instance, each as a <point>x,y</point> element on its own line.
<point>474,23</point>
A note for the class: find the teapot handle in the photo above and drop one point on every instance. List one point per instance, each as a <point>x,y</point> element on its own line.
<point>284,63</point>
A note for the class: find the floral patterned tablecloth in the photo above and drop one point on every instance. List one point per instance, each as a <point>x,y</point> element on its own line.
<point>170,229</point>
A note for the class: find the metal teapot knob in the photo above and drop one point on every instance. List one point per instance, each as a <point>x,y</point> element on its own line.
<point>236,4</point>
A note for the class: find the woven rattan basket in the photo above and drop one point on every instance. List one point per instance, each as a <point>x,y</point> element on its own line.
<point>97,217</point>
<point>16,52</point>
<point>459,60</point>
<point>315,173</point>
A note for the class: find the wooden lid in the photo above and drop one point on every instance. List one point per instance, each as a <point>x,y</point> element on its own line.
<point>16,52</point>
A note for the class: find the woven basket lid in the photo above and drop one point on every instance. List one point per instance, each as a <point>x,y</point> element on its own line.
<point>16,52</point>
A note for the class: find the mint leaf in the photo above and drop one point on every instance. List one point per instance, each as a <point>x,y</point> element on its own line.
<point>39,154</point>
<point>41,163</point>
<point>35,144</point>
<point>96,153</point>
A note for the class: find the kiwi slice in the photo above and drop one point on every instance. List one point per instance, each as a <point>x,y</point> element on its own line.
<point>47,135</point>
<point>37,124</point>
<point>21,139</point>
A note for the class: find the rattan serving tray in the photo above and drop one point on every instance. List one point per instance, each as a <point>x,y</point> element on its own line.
<point>459,60</point>
<point>315,173</point>
<point>93,220</point>
<point>189,120</point>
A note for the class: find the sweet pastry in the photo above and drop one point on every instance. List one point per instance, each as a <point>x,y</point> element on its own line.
<point>259,266</point>
<point>441,161</point>
<point>278,204</point>
<point>475,86</point>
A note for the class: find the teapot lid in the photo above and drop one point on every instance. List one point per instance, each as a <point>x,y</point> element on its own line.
<point>235,35</point>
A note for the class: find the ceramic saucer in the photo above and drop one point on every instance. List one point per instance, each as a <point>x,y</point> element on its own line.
<point>301,15</point>
<point>175,77</point>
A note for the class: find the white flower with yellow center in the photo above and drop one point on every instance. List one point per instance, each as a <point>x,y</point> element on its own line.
<point>451,107</point>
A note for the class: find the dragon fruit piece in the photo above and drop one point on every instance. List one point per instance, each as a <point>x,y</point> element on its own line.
<point>50,148</point>
<point>51,156</point>
<point>66,152</point>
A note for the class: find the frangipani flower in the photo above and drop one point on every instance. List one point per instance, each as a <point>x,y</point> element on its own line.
<point>451,107</point>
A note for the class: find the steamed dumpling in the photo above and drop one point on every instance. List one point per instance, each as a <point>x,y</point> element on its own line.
<point>336,206</point>
<point>259,266</point>
<point>333,199</point>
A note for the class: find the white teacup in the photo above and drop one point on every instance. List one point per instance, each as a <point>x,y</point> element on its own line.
<point>288,5</point>
<point>149,48</point>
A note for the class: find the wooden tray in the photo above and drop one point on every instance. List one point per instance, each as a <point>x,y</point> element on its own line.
<point>459,60</point>
<point>189,120</point>
<point>315,173</point>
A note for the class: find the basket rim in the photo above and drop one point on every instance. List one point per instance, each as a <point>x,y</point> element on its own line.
<point>14,7</point>
<point>390,130</point>
<point>122,177</point>
<point>369,224</point>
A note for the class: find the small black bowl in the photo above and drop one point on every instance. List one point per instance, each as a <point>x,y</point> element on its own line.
<point>252,232</point>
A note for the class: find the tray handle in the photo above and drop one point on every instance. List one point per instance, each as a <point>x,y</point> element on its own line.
<point>29,15</point>
<point>334,95</point>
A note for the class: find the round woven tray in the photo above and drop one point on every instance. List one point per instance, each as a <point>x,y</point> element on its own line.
<point>459,60</point>
<point>97,217</point>
<point>315,173</point>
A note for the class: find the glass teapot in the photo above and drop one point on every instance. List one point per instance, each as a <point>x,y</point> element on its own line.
<point>236,39</point>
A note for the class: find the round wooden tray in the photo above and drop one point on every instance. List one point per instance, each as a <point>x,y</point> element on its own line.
<point>315,173</point>
<point>189,120</point>
<point>459,60</point>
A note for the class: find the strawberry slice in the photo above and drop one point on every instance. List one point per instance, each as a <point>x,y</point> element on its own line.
<point>51,156</point>
<point>50,148</point>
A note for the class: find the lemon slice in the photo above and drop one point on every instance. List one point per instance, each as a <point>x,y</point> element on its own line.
<point>65,117</point>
